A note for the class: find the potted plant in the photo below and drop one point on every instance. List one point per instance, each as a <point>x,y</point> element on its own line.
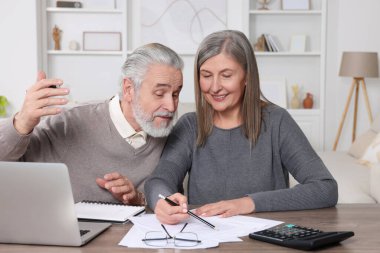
<point>3,106</point>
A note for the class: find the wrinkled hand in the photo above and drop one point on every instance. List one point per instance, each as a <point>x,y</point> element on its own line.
<point>121,189</point>
<point>39,101</point>
<point>168,214</point>
<point>227,208</point>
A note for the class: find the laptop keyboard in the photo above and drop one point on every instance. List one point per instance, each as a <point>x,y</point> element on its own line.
<point>83,232</point>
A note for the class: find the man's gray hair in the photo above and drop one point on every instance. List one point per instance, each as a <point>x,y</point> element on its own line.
<point>138,63</point>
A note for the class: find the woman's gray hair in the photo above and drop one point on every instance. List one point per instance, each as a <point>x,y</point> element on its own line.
<point>236,45</point>
<point>138,63</point>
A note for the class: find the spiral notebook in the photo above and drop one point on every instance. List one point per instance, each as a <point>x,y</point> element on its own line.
<point>104,211</point>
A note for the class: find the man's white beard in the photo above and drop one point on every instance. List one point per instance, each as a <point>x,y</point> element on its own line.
<point>146,121</point>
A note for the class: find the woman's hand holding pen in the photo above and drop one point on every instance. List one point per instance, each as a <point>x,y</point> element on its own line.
<point>227,208</point>
<point>168,214</point>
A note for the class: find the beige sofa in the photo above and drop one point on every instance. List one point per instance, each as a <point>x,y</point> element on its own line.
<point>357,183</point>
<point>358,178</point>
<point>358,170</point>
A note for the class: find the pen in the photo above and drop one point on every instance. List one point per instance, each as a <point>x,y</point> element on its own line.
<point>171,202</point>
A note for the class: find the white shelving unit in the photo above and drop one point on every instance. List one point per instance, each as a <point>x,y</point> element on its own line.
<point>287,54</point>
<point>81,52</point>
<point>82,10</point>
<point>102,78</point>
<point>285,12</point>
<point>307,69</point>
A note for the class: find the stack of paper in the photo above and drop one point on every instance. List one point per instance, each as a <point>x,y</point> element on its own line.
<point>227,230</point>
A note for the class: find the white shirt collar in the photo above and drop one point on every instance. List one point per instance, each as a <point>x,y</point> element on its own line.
<point>122,125</point>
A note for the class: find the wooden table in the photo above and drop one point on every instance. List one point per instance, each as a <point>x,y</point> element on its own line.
<point>363,219</point>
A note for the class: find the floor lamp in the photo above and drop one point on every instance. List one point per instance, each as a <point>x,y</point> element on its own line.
<point>357,65</point>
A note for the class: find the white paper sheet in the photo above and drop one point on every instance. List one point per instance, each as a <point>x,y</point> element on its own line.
<point>227,230</point>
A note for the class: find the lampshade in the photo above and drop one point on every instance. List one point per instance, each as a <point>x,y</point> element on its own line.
<point>359,64</point>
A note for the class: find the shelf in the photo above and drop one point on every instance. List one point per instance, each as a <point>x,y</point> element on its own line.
<point>283,12</point>
<point>83,10</point>
<point>287,54</point>
<point>304,112</point>
<point>305,68</point>
<point>69,52</point>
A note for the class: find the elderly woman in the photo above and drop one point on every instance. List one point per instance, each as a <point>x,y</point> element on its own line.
<point>238,149</point>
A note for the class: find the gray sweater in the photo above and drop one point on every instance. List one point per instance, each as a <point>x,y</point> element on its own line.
<point>86,140</point>
<point>226,168</point>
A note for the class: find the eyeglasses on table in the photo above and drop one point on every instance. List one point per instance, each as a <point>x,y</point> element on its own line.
<point>163,238</point>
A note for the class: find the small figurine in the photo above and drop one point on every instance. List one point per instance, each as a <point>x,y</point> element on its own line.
<point>308,101</point>
<point>264,4</point>
<point>57,37</point>
<point>295,102</point>
<point>260,44</point>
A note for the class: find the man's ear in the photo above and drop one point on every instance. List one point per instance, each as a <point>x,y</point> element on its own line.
<point>128,90</point>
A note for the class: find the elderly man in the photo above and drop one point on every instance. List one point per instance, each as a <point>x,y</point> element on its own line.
<point>110,147</point>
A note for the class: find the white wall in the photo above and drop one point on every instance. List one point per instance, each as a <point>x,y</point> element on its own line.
<point>18,49</point>
<point>352,26</point>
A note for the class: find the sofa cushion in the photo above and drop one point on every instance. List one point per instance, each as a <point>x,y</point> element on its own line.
<point>361,143</point>
<point>371,155</point>
<point>366,147</point>
<point>353,178</point>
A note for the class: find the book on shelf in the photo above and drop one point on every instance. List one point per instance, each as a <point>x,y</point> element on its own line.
<point>106,211</point>
<point>267,43</point>
<point>270,43</point>
<point>274,43</point>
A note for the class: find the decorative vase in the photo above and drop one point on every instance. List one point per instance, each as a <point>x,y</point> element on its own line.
<point>295,102</point>
<point>308,101</point>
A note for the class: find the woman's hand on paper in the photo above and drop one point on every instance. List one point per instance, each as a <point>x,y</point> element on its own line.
<point>121,188</point>
<point>227,208</point>
<point>168,214</point>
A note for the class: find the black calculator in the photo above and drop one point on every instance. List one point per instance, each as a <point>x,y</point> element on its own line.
<point>293,236</point>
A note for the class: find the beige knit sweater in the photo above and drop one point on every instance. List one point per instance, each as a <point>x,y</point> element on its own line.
<point>86,140</point>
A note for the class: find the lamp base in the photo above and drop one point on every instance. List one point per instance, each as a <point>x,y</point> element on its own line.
<point>355,85</point>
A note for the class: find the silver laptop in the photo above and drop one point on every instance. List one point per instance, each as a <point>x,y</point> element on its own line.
<point>37,206</point>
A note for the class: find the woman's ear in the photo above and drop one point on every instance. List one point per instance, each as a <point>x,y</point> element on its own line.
<point>128,90</point>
